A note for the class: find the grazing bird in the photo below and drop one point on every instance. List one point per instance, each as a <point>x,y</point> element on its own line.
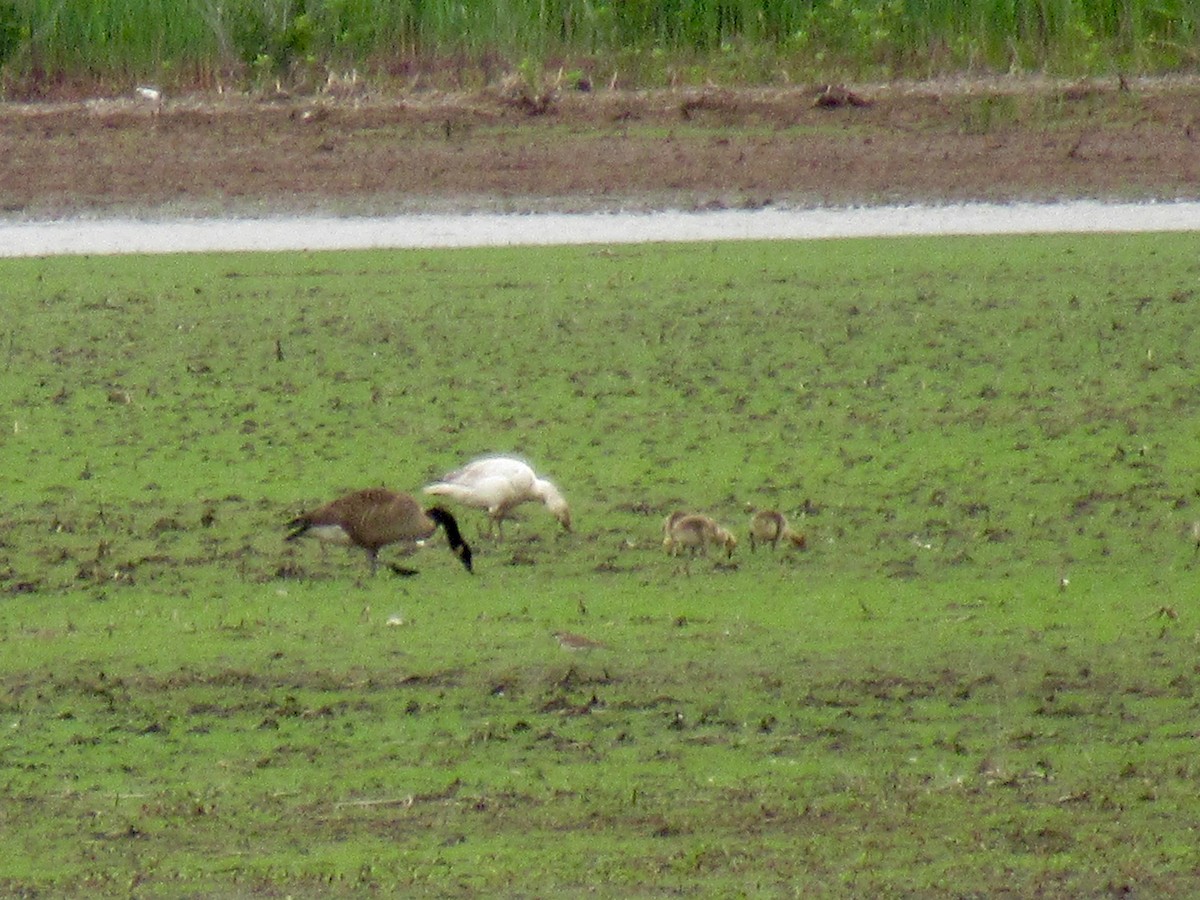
<point>376,517</point>
<point>568,640</point>
<point>695,532</point>
<point>499,484</point>
<point>769,526</point>
<point>152,96</point>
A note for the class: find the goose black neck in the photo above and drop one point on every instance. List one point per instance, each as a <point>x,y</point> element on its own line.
<point>453,535</point>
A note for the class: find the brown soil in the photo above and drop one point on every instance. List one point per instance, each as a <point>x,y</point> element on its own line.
<point>512,149</point>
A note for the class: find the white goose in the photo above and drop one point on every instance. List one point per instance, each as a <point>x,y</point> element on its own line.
<point>498,484</point>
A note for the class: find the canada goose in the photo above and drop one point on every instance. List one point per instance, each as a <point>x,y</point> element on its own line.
<point>769,526</point>
<point>695,532</point>
<point>376,517</point>
<point>498,484</point>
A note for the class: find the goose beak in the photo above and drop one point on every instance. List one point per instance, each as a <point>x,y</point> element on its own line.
<point>464,554</point>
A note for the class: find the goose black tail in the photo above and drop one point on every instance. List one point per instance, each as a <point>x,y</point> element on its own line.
<point>453,535</point>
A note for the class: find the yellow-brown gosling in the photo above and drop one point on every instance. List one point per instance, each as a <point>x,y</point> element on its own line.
<point>695,532</point>
<point>769,526</point>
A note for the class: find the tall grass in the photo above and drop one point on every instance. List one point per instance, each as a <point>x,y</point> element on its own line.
<point>186,41</point>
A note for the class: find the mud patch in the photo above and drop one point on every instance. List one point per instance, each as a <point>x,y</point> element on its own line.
<point>999,140</point>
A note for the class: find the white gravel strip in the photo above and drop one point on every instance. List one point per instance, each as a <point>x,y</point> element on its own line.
<point>175,235</point>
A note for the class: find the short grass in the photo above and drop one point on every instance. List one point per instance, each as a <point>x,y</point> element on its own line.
<point>979,680</point>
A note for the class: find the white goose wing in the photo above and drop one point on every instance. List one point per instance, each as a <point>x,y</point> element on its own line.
<point>515,471</point>
<point>494,483</point>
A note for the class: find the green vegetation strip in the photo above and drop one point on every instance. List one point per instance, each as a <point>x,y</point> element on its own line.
<point>979,678</point>
<point>185,43</point>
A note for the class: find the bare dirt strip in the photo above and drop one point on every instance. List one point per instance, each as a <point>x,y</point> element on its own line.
<point>508,149</point>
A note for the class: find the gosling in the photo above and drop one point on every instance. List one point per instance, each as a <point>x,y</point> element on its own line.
<point>769,526</point>
<point>695,532</point>
<point>376,517</point>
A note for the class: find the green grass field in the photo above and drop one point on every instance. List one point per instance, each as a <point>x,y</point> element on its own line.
<point>979,680</point>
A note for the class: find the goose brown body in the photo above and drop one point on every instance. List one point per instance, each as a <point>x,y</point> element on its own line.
<point>376,517</point>
<point>768,526</point>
